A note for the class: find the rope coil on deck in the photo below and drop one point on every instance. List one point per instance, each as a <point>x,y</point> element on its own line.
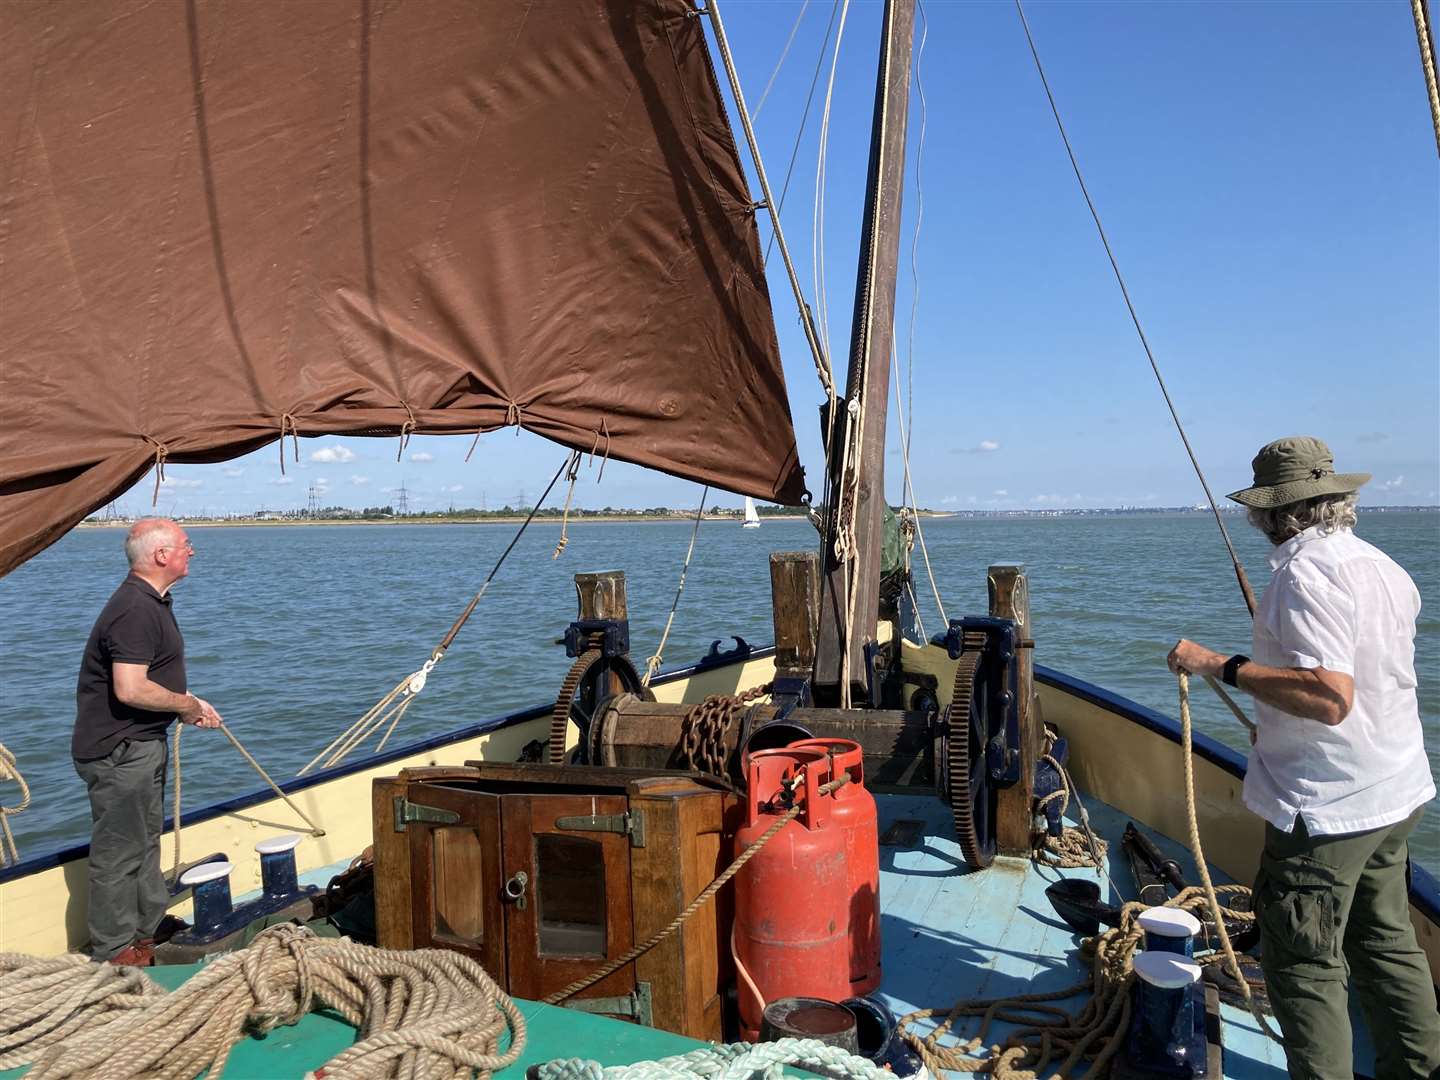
<point>730,1061</point>
<point>424,1014</point>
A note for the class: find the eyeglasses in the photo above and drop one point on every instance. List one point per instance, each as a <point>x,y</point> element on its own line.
<point>188,546</point>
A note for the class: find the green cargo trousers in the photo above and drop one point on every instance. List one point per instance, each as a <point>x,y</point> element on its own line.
<point>1335,906</point>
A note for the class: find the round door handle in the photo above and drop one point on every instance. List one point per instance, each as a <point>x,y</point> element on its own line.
<point>514,890</point>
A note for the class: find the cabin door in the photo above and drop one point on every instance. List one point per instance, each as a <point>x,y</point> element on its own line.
<point>571,913</point>
<point>455,870</point>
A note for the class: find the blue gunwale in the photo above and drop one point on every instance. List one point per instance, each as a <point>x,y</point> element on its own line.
<point>1424,889</point>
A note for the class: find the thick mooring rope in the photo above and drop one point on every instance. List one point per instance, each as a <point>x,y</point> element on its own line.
<point>428,1013</point>
<point>731,1061</point>
<point>9,851</point>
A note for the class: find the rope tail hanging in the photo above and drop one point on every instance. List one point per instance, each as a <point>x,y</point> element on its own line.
<point>392,707</point>
<point>652,665</point>
<point>572,471</point>
<point>1420,9</point>
<point>1134,317</point>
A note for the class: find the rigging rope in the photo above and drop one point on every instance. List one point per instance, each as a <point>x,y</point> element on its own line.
<point>1134,317</point>
<point>177,869</point>
<point>1187,755</point>
<point>9,852</point>
<point>393,705</point>
<point>730,1061</point>
<point>1419,9</point>
<point>652,665</point>
<point>817,230</point>
<point>804,119</point>
<point>819,355</point>
<point>424,1014</point>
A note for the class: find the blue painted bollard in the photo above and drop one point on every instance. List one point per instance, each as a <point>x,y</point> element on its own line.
<point>210,886</point>
<point>277,865</point>
<point>1167,1034</point>
<point>1169,930</point>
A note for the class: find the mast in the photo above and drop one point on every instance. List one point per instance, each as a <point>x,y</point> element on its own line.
<point>855,500</point>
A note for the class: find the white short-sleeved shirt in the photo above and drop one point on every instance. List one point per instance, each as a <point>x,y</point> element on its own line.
<point>1339,603</point>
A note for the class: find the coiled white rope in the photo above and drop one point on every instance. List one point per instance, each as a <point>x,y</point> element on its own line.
<point>729,1061</point>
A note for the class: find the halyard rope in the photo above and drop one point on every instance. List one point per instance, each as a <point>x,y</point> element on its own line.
<point>652,665</point>
<point>9,852</point>
<point>426,1013</point>
<point>1199,855</point>
<point>393,705</point>
<point>1427,62</point>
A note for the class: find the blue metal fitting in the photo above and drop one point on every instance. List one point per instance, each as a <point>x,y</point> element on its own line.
<point>210,885</point>
<point>277,866</point>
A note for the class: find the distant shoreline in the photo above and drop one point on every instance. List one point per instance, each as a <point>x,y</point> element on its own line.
<point>628,519</point>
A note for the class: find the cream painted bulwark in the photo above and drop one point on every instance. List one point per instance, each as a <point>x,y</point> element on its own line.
<point>44,913</point>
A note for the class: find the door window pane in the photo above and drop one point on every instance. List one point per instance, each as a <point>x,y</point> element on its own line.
<point>457,888</point>
<point>570,889</point>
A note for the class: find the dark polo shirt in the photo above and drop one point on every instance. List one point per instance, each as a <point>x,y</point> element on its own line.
<point>136,627</point>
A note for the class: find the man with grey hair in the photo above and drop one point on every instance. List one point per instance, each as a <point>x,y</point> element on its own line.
<point>132,685</point>
<point>1338,771</point>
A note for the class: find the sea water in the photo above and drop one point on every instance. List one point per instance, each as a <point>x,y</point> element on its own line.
<point>293,632</point>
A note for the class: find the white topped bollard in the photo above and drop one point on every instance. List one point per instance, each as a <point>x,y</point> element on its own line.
<point>1169,930</point>
<point>277,865</point>
<point>210,885</point>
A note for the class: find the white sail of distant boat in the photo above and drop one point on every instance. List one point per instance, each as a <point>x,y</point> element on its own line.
<point>752,519</point>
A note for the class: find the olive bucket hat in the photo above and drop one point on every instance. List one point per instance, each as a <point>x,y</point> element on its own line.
<point>1290,470</point>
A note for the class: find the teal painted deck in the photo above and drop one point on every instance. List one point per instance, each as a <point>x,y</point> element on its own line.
<point>950,933</point>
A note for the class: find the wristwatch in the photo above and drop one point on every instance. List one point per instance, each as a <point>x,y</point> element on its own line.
<point>1231,668</point>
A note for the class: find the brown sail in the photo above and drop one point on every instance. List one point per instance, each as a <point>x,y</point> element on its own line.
<point>221,222</point>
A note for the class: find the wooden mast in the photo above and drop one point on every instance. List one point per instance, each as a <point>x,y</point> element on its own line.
<point>872,331</point>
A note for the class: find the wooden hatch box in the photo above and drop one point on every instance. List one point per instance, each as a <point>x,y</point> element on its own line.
<point>543,873</point>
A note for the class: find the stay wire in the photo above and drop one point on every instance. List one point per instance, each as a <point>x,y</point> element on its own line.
<point>1135,318</point>
<point>817,351</point>
<point>804,120</point>
<point>780,63</point>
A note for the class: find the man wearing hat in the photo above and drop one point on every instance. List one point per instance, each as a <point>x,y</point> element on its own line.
<point>1338,771</point>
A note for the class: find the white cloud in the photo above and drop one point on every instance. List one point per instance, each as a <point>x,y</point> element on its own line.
<point>1000,492</point>
<point>333,455</point>
<point>359,481</point>
<point>453,488</point>
<point>1393,485</point>
<point>422,456</point>
<point>180,482</point>
<point>949,499</point>
<point>281,481</point>
<point>233,472</point>
<point>988,445</point>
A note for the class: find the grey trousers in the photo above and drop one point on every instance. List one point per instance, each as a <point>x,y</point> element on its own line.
<point>128,894</point>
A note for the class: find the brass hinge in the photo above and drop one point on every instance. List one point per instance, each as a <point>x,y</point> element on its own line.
<point>636,1006</point>
<point>631,824</point>
<point>406,811</point>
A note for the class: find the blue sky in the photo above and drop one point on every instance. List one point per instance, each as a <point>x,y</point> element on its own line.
<point>1267,174</point>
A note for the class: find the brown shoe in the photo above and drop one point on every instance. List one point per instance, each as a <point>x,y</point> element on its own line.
<point>137,955</point>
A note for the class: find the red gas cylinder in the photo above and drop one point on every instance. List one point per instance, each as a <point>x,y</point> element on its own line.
<point>855,813</point>
<point>792,905</point>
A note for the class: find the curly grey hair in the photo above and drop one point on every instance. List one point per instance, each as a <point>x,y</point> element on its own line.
<point>1330,512</point>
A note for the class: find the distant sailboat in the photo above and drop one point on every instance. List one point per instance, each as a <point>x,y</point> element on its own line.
<point>752,519</point>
